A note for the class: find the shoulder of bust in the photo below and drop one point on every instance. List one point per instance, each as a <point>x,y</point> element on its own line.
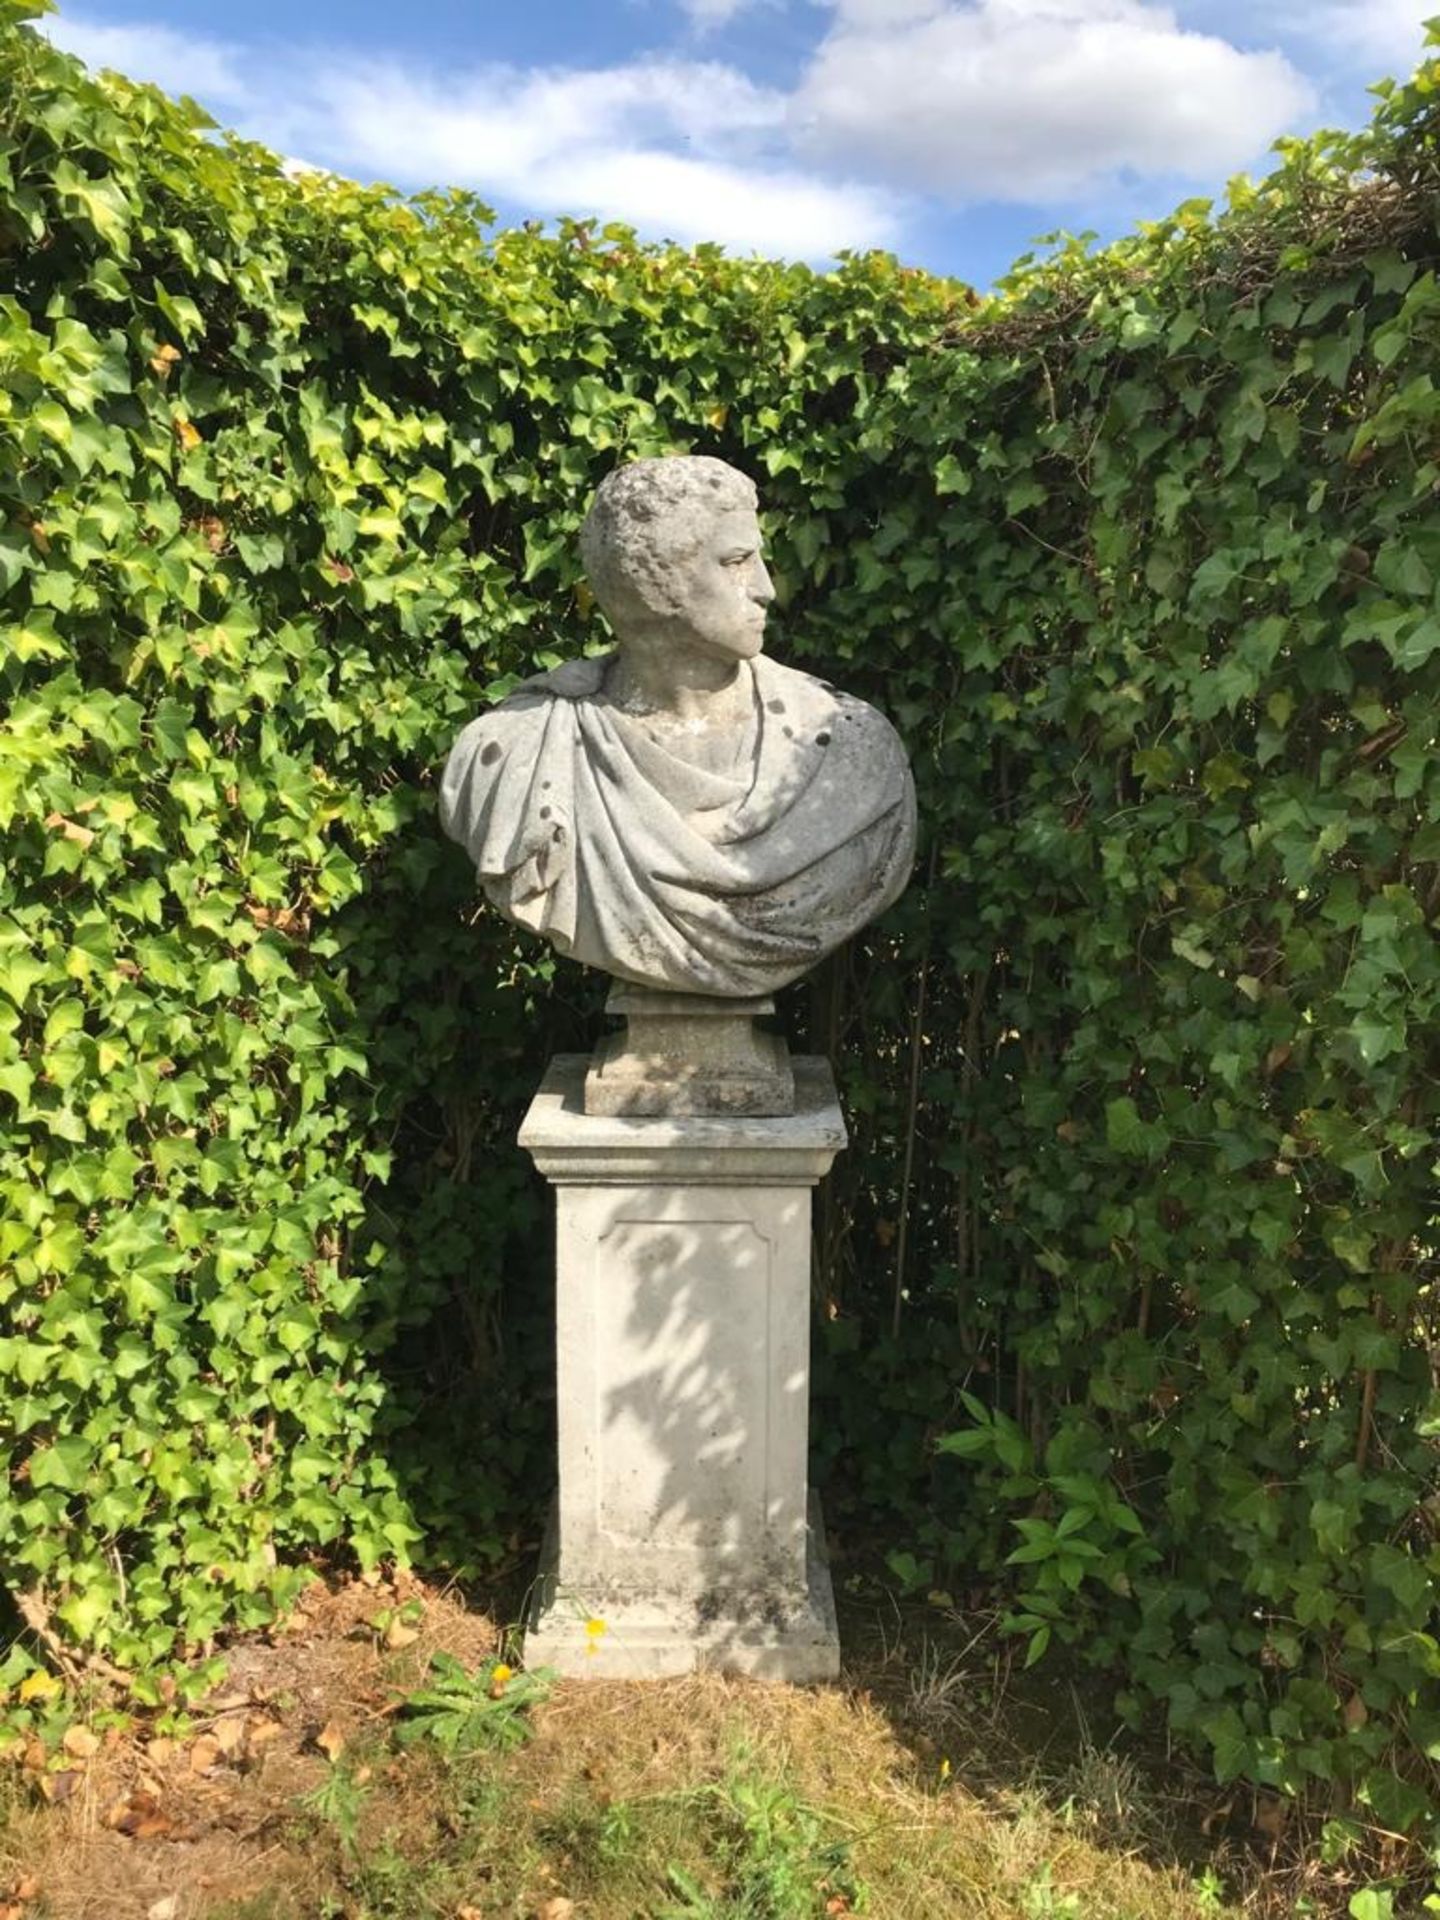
<point>571,680</point>
<point>515,723</point>
<point>773,676</point>
<point>777,680</point>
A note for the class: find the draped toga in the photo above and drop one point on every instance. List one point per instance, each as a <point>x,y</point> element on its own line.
<point>588,830</point>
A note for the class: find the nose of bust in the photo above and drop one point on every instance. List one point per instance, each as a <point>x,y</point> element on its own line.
<point>763,587</point>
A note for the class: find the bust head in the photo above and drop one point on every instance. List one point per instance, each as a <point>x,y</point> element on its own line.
<point>671,547</point>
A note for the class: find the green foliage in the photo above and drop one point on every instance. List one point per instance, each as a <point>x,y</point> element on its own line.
<point>463,1712</point>
<point>1372,1903</point>
<point>1142,555</point>
<point>339,1801</point>
<point>773,1856</point>
<point>1040,1901</point>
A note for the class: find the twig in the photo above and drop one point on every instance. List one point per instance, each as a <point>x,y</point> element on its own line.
<point>36,1615</point>
<point>917,1043</point>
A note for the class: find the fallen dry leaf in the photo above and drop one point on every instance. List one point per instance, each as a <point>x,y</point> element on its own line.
<point>163,359</point>
<point>289,921</point>
<point>70,830</point>
<point>229,1735</point>
<point>226,1703</point>
<point>139,1818</point>
<point>204,1753</point>
<point>260,1730</point>
<point>161,1750</point>
<point>557,1907</point>
<point>80,1743</point>
<point>398,1635</point>
<point>27,1887</point>
<point>58,1787</point>
<point>165,1908</point>
<point>331,1741</point>
<point>468,1913</point>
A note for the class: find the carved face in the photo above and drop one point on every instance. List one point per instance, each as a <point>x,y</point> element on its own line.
<point>721,587</point>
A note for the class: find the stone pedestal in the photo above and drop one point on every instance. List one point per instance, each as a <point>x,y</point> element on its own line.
<point>683,1533</point>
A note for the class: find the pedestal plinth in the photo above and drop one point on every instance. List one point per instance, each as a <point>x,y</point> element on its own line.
<point>683,1533</point>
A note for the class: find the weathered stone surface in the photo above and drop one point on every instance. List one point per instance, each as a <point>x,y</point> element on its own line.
<point>689,1053</point>
<point>647,1636</point>
<point>684,813</point>
<point>683,1341</point>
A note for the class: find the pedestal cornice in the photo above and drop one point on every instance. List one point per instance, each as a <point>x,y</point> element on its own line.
<point>570,1146</point>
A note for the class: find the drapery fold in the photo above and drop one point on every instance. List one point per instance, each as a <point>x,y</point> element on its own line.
<point>587,830</point>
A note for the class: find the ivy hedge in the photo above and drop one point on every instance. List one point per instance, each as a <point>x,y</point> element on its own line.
<point>1126,1286</point>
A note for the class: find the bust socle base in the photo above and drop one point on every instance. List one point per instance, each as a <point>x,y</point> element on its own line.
<point>683,1535</point>
<point>689,1053</point>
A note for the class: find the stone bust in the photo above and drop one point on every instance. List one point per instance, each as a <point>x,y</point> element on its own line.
<point>683,812</point>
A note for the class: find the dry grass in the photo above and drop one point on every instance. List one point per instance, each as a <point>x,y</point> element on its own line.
<point>904,1793</point>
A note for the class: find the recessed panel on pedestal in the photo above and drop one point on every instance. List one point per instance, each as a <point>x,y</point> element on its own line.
<point>682,1312</point>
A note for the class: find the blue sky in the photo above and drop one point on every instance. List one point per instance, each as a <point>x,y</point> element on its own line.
<point>951,132</point>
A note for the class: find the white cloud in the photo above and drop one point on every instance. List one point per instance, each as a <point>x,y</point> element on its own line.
<point>690,151</point>
<point>1039,100</point>
<point>206,69</point>
<point>680,149</point>
<point>749,210</point>
<point>1387,34</point>
<point>497,125</point>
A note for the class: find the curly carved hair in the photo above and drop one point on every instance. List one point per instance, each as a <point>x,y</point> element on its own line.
<point>645,517</point>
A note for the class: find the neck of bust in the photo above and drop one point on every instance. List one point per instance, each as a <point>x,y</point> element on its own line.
<point>690,683</point>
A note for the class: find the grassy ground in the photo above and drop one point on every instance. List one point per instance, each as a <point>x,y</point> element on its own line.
<point>929,1783</point>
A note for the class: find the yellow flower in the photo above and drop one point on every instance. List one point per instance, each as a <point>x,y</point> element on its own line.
<point>501,1672</point>
<point>594,1629</point>
<point>944,1771</point>
<point>39,1686</point>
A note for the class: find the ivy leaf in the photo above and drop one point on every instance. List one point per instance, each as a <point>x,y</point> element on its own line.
<point>1377,1035</point>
